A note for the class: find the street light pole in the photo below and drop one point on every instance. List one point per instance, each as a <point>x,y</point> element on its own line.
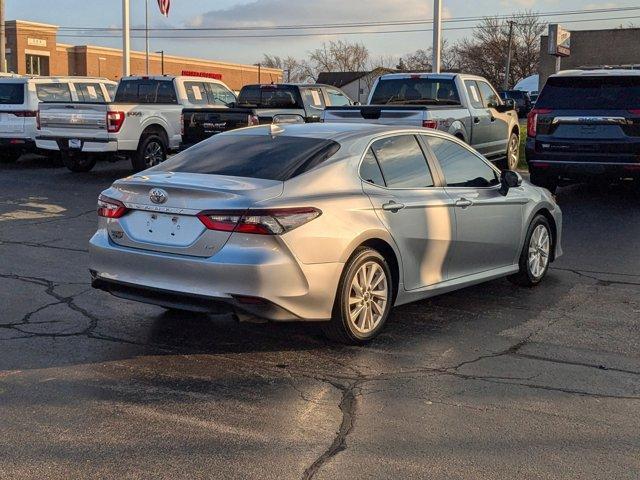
<point>161,52</point>
<point>437,31</point>
<point>3,40</point>
<point>507,68</point>
<point>126,39</point>
<point>146,31</point>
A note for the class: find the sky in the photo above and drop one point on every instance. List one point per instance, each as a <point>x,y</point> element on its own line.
<point>91,14</point>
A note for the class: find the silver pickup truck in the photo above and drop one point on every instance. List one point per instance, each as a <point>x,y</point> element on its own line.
<point>466,106</point>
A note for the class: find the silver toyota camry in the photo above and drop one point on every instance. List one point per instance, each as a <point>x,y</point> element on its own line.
<point>320,222</point>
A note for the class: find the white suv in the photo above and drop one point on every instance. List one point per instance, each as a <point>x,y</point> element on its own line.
<point>19,99</point>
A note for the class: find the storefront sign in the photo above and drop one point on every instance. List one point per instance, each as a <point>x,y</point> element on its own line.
<point>559,41</point>
<point>36,42</point>
<point>190,73</point>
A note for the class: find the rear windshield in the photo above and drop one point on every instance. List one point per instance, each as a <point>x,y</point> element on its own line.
<point>266,157</point>
<point>415,91</point>
<point>11,93</point>
<point>270,96</point>
<point>590,93</point>
<point>146,91</point>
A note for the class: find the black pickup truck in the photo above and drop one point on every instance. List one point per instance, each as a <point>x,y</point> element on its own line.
<point>262,104</point>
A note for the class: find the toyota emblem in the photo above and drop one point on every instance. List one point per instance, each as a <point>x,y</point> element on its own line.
<point>157,195</point>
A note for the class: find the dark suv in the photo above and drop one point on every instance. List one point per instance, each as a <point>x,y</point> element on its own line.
<point>585,125</point>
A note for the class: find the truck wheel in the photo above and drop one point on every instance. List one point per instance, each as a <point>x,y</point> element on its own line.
<point>544,181</point>
<point>78,164</point>
<point>151,152</point>
<point>513,153</point>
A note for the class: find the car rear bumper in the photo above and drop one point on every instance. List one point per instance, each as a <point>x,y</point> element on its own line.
<point>254,278</point>
<point>89,145</point>
<point>17,143</point>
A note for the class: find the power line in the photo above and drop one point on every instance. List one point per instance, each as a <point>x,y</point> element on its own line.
<point>281,35</point>
<point>361,24</point>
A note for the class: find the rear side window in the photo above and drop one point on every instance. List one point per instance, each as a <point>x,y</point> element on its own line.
<point>337,98</point>
<point>252,156</point>
<point>370,170</point>
<point>11,93</point>
<point>461,167</point>
<point>196,93</point>
<point>597,92</point>
<point>53,92</point>
<point>312,97</point>
<point>111,90</point>
<point>146,91</point>
<point>89,92</point>
<point>474,93</point>
<point>402,162</point>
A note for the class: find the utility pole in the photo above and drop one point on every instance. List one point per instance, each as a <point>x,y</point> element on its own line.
<point>126,39</point>
<point>161,52</point>
<point>3,40</point>
<point>437,31</point>
<point>146,31</point>
<point>507,67</point>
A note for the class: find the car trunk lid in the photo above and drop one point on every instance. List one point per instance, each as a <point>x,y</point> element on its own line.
<point>163,208</point>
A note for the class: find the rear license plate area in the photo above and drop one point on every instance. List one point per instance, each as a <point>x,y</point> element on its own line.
<point>162,228</point>
<point>75,144</point>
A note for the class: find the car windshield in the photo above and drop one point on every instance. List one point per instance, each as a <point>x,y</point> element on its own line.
<point>252,156</point>
<point>270,96</point>
<point>11,93</point>
<point>415,91</point>
<point>596,92</point>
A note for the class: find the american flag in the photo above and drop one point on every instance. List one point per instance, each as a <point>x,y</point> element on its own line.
<point>164,5</point>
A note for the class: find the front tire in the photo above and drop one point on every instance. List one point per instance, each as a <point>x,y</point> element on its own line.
<point>151,152</point>
<point>78,164</point>
<point>364,299</point>
<point>536,253</point>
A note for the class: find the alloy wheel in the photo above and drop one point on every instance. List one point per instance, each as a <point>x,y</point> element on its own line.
<point>512,155</point>
<point>368,297</point>
<point>539,248</point>
<point>153,154</point>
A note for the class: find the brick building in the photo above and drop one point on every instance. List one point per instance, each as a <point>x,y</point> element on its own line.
<point>33,49</point>
<point>619,47</point>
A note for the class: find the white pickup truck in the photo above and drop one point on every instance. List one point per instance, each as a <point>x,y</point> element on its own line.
<point>466,106</point>
<point>143,123</point>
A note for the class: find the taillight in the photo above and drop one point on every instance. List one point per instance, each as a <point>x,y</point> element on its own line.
<point>110,208</point>
<point>253,120</point>
<point>430,123</point>
<point>114,121</point>
<point>25,113</point>
<point>634,111</point>
<point>262,222</point>
<point>532,120</point>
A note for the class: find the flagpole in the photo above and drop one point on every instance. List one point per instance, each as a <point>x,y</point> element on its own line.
<point>126,39</point>
<point>146,16</point>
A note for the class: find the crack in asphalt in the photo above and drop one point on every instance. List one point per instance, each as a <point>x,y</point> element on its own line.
<point>601,281</point>
<point>43,245</point>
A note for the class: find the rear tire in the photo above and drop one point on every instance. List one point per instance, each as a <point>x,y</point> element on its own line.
<point>544,181</point>
<point>535,257</point>
<point>78,164</point>
<point>364,299</point>
<point>512,156</point>
<point>151,152</point>
<point>10,157</point>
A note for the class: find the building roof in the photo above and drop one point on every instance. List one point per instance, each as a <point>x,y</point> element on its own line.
<point>340,79</point>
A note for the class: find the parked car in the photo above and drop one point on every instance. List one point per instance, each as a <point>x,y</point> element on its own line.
<point>585,125</point>
<point>331,223</point>
<point>262,104</point>
<point>521,99</point>
<point>143,123</point>
<point>465,106</point>
<point>19,99</point>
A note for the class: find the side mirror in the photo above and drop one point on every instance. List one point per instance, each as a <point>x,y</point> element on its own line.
<point>357,103</point>
<point>509,104</point>
<point>509,179</point>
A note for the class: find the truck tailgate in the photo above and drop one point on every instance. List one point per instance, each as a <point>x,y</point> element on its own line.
<point>77,120</point>
<point>387,115</point>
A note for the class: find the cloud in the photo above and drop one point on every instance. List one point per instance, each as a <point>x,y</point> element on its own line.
<point>266,13</point>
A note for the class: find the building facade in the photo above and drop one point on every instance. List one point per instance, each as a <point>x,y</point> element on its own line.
<point>33,49</point>
<point>619,47</point>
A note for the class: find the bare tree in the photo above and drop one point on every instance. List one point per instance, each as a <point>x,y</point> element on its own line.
<point>485,53</point>
<point>421,60</point>
<point>294,70</point>
<point>338,56</point>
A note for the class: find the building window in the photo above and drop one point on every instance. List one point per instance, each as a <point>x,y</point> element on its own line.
<point>37,65</point>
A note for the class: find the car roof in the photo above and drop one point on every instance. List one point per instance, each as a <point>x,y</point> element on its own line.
<point>329,131</point>
<point>28,78</point>
<point>613,72</point>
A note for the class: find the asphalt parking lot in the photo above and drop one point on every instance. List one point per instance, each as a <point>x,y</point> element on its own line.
<point>494,381</point>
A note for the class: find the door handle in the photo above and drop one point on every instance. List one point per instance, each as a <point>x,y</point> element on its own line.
<point>476,119</point>
<point>463,203</point>
<point>392,206</point>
